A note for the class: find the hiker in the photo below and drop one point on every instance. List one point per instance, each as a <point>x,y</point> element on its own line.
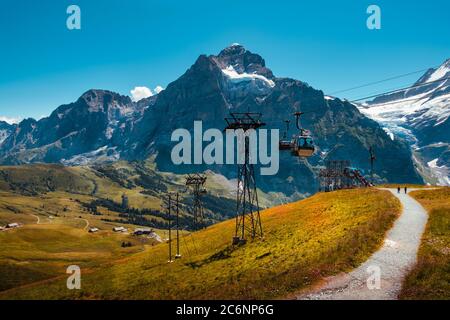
<point>398,189</point>
<point>406,190</point>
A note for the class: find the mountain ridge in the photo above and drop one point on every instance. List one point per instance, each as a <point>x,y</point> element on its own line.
<point>102,124</point>
<point>421,114</point>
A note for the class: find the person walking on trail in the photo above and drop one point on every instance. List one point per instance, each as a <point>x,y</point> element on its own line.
<point>406,190</point>
<point>398,189</point>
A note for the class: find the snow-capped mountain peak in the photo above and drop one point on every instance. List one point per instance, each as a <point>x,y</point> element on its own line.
<point>421,115</point>
<point>234,76</point>
<point>242,61</point>
<point>442,72</point>
<point>100,127</point>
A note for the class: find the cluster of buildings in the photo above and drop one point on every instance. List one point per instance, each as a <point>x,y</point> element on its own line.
<point>137,232</point>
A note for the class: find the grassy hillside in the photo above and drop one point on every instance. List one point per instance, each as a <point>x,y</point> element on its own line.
<point>39,252</point>
<point>430,279</point>
<point>54,234</point>
<point>54,201</point>
<point>304,241</point>
<point>139,181</point>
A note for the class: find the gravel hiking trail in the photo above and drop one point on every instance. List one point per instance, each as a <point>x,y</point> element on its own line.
<point>394,259</point>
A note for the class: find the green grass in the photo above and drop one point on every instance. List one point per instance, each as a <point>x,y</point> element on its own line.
<point>303,242</point>
<point>430,279</point>
<point>139,181</point>
<point>40,178</point>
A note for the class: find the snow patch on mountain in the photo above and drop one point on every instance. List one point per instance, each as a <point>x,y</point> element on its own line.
<point>443,172</point>
<point>389,133</point>
<point>234,76</point>
<point>103,154</point>
<point>422,109</point>
<point>433,163</point>
<point>401,115</point>
<point>440,73</point>
<point>437,109</point>
<point>419,111</point>
<point>392,118</point>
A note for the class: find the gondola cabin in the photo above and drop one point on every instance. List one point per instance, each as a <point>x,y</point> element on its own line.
<point>285,145</point>
<point>303,147</point>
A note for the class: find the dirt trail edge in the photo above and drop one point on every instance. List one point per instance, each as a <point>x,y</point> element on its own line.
<point>392,261</point>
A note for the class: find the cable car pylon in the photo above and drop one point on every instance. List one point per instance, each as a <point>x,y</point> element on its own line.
<point>171,203</point>
<point>197,183</point>
<point>248,219</point>
<point>177,207</point>
<point>167,206</point>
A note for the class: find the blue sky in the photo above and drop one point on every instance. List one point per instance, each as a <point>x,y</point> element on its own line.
<point>123,44</point>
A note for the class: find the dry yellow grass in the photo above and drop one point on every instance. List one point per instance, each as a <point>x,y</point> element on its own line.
<point>430,279</point>
<point>304,241</point>
<point>36,252</point>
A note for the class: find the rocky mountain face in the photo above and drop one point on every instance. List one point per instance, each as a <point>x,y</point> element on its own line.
<point>86,125</point>
<point>104,126</point>
<point>237,80</point>
<point>420,114</point>
<point>6,130</point>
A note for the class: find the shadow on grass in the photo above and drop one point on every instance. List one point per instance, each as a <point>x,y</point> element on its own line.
<point>221,255</point>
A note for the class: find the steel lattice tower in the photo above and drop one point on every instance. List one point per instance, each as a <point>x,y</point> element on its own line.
<point>167,205</point>
<point>197,183</point>
<point>171,202</point>
<point>338,174</point>
<point>248,220</point>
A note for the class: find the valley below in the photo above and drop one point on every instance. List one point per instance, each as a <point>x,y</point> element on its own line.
<point>303,242</point>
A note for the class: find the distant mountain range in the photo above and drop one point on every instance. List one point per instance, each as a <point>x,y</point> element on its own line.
<point>420,114</point>
<point>6,130</point>
<point>103,126</point>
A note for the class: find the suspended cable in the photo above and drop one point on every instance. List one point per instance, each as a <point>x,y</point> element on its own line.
<point>398,101</point>
<point>382,92</point>
<point>402,89</point>
<point>380,81</point>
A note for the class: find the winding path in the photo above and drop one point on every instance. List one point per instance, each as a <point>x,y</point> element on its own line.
<point>38,219</point>
<point>87,223</point>
<point>394,259</point>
